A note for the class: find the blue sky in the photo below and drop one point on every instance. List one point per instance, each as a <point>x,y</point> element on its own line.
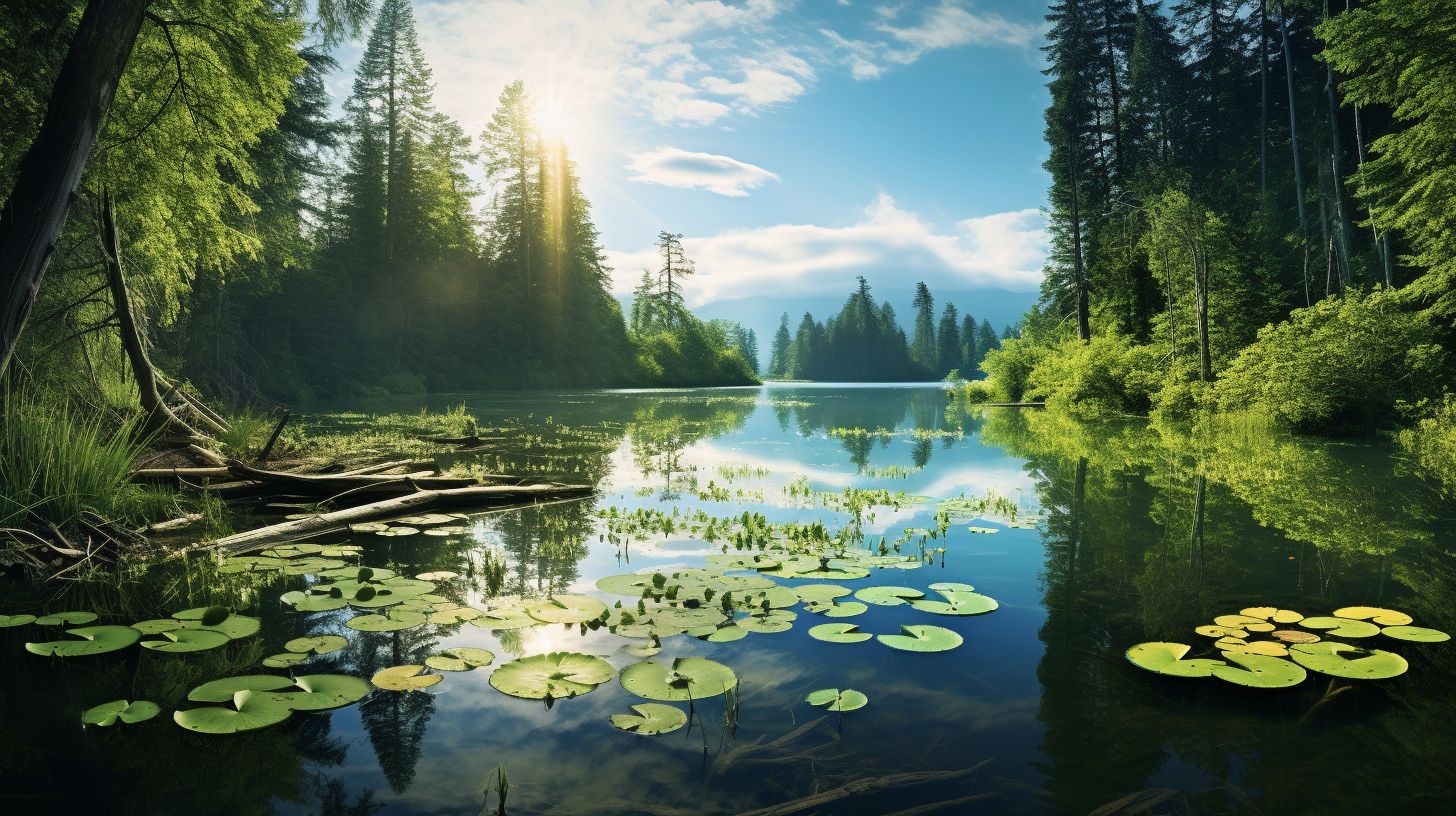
<point>795,144</point>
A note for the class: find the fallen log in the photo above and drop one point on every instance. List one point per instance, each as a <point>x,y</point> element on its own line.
<point>178,523</point>
<point>324,485</point>
<point>475,496</point>
<point>862,787</point>
<point>164,474</point>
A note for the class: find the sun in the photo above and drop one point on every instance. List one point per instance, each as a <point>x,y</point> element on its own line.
<point>553,121</point>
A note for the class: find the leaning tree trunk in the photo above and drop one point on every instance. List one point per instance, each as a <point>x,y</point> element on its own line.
<point>31,220</point>
<point>1294,145</point>
<point>133,340</point>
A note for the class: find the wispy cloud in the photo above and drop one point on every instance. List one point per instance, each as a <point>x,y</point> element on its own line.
<point>946,25</point>
<point>1003,250</point>
<point>674,167</point>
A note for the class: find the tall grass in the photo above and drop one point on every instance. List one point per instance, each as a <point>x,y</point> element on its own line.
<point>58,460</point>
<point>246,433</point>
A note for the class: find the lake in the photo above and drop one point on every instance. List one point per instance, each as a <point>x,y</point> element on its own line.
<point>1092,536</point>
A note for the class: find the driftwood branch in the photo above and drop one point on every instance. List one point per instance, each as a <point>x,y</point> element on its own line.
<point>475,496</point>
<point>863,787</point>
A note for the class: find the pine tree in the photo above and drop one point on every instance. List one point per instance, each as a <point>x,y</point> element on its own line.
<point>780,360</point>
<point>922,348</point>
<point>970,353</point>
<point>675,267</point>
<point>948,341</point>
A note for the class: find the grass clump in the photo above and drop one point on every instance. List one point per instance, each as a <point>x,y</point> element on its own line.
<point>58,461</point>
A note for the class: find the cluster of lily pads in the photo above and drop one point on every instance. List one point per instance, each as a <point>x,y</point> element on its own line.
<point>1269,647</point>
<point>190,630</point>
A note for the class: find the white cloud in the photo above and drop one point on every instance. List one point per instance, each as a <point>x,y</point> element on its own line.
<point>947,25</point>
<point>673,167</point>
<point>889,245</point>
<point>678,62</point>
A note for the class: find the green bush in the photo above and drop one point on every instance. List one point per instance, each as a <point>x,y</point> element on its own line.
<point>1009,367</point>
<point>1341,364</point>
<point>57,461</point>
<point>1107,373</point>
<point>1432,440</point>
<point>691,354</point>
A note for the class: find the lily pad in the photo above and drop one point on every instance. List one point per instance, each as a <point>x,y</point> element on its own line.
<point>235,627</point>
<point>92,640</point>
<point>284,660</point>
<point>460,658</point>
<point>1273,614</point>
<point>321,692</point>
<point>566,609</point>
<point>1258,671</point>
<point>320,644</point>
<point>686,678</point>
<point>770,622</point>
<point>1167,658</point>
<point>959,600</point>
<point>1346,661</point>
<point>398,620</point>
<point>1294,636</point>
<point>1374,614</point>
<point>115,711</point>
<point>157,626</point>
<point>1246,622</point>
<point>836,700</point>
<point>504,619</point>
<point>308,602</point>
<point>438,575</point>
<point>179,641</point>
<point>1417,634</point>
<point>222,690</point>
<point>552,676</point>
<point>1267,648</point>
<point>650,718</point>
<point>1342,627</point>
<point>405,678</point>
<point>7,621</point>
<point>250,710</point>
<point>889,595</point>
<point>838,633</point>
<point>923,638</point>
<point>66,618</point>
<point>718,634</point>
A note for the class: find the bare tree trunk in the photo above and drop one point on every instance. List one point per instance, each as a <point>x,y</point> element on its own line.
<point>1382,241</point>
<point>1263,97</point>
<point>1293,118</point>
<point>1337,150</point>
<point>1200,285</point>
<point>31,220</point>
<point>133,340</point>
<point>1079,272</point>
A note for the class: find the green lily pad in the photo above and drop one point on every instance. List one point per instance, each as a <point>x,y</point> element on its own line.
<point>284,660</point>
<point>157,626</point>
<point>650,718</point>
<point>320,644</point>
<point>567,609</point>
<point>726,633</point>
<point>923,638</point>
<point>1417,634</point>
<point>1258,671</point>
<point>848,609</point>
<point>453,614</point>
<point>1167,658</point>
<point>1273,614</point>
<point>460,658</point>
<point>308,602</point>
<point>768,623</point>
<point>1267,648</point>
<point>503,620</point>
<point>179,641</point>
<point>812,594</point>
<point>1374,614</point>
<point>1215,631</point>
<point>982,530</point>
<point>889,595</point>
<point>836,700</point>
<point>838,633</point>
<point>959,600</point>
<point>250,710</point>
<point>1329,657</point>
<point>92,640</point>
<point>321,692</point>
<point>222,690</point>
<point>1246,622</point>
<point>686,678</point>
<point>1342,627</point>
<point>235,627</point>
<point>7,621</point>
<point>405,678</point>
<point>108,714</point>
<point>66,618</point>
<point>551,676</point>
<point>398,620</point>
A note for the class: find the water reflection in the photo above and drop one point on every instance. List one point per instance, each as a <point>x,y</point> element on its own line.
<point>1145,532</point>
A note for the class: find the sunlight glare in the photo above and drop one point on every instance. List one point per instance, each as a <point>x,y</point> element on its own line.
<point>553,120</point>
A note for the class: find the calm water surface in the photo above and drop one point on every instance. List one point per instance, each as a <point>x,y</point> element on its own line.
<point>1142,535</point>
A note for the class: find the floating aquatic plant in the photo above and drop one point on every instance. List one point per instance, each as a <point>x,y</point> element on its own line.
<point>960,599</point>
<point>108,714</point>
<point>320,644</point>
<point>923,638</point>
<point>650,718</point>
<point>66,618</point>
<point>838,633</point>
<point>89,640</point>
<point>552,676</point>
<point>7,621</point>
<point>686,678</point>
<point>836,700</point>
<point>404,678</point>
<point>460,658</point>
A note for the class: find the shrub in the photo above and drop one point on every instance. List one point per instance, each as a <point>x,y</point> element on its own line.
<point>1337,365</point>
<point>1008,367</point>
<point>1432,440</point>
<point>1107,373</point>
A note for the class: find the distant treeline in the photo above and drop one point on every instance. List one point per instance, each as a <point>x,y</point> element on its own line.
<point>864,342</point>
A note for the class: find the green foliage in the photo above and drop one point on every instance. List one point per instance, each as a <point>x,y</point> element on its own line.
<point>1432,440</point>
<point>58,461</point>
<point>690,353</point>
<point>1342,363</point>
<point>1008,368</point>
<point>1106,373</point>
